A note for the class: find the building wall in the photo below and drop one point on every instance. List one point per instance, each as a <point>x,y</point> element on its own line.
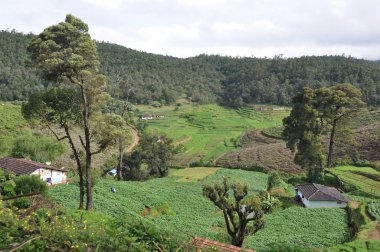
<point>55,177</point>
<point>320,204</point>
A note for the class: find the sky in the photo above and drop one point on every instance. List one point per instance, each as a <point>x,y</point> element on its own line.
<point>185,28</point>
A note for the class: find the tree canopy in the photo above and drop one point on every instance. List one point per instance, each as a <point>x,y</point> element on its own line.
<point>202,79</point>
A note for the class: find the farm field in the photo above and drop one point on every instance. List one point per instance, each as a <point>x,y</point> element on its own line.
<point>176,203</point>
<point>366,179</point>
<point>208,131</point>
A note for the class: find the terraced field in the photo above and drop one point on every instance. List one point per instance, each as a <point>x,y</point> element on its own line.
<point>366,179</point>
<point>207,131</point>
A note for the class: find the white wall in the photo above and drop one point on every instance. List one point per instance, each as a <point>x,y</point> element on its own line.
<point>321,204</point>
<point>56,176</point>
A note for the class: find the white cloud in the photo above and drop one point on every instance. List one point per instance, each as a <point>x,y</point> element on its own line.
<point>107,4</point>
<point>240,27</point>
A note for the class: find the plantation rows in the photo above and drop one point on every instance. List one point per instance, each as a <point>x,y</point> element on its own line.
<point>210,128</point>
<point>187,213</point>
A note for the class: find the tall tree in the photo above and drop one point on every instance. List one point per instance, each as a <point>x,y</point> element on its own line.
<point>315,112</point>
<point>302,131</point>
<point>66,52</point>
<point>337,105</point>
<point>237,212</point>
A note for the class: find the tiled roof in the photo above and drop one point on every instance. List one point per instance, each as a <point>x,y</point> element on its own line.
<point>21,166</point>
<point>317,192</point>
<point>202,243</point>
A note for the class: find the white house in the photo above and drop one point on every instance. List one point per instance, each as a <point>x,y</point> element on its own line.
<point>318,196</point>
<point>52,175</point>
<point>146,117</point>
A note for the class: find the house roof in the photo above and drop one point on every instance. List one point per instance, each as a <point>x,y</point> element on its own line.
<point>317,192</point>
<point>21,166</point>
<point>202,243</point>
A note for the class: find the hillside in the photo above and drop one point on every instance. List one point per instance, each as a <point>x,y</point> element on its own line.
<point>202,79</point>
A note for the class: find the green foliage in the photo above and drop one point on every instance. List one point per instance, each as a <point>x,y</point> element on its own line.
<point>56,230</point>
<point>205,131</point>
<point>21,203</point>
<point>16,140</point>
<point>238,212</point>
<point>203,79</point>
<point>319,228</point>
<point>30,184</point>
<point>190,213</point>
<point>374,209</point>
<point>269,203</point>
<point>7,188</point>
<point>359,180</point>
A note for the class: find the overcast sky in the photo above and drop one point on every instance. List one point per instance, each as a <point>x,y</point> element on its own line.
<point>184,28</point>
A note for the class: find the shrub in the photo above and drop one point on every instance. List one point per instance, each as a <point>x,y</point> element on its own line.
<point>7,188</point>
<point>21,203</point>
<point>30,184</point>
<point>374,209</point>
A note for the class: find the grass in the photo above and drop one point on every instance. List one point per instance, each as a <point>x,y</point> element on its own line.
<point>181,207</point>
<point>207,131</point>
<point>11,118</point>
<point>193,174</point>
<point>365,179</point>
<point>318,228</point>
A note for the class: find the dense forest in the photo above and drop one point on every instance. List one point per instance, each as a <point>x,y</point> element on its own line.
<point>231,81</point>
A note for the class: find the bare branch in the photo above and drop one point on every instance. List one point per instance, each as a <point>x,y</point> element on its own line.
<point>55,134</point>
<point>81,141</point>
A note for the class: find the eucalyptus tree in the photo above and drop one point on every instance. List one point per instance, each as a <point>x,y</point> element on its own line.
<point>65,53</point>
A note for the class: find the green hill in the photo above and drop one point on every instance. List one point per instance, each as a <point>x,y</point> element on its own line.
<point>202,79</point>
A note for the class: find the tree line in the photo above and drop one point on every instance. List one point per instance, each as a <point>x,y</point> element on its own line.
<point>231,81</point>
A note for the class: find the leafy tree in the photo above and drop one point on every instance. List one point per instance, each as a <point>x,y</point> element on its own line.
<point>65,52</point>
<point>302,131</point>
<point>156,151</point>
<point>315,112</point>
<point>237,212</point>
<point>337,105</point>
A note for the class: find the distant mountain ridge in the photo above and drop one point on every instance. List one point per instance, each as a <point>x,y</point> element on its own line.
<point>231,81</point>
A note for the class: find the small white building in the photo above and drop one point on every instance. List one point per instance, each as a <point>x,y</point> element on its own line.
<point>318,196</point>
<point>52,175</point>
<point>146,117</point>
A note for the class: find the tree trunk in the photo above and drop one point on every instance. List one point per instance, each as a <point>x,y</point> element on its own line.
<point>238,240</point>
<point>80,169</point>
<point>329,157</point>
<point>120,164</point>
<point>87,147</point>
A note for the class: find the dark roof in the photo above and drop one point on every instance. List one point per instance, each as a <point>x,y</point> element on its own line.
<point>202,243</point>
<point>317,192</point>
<point>21,166</point>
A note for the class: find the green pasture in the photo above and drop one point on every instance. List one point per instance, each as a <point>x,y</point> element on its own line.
<point>11,118</point>
<point>179,206</point>
<point>365,179</point>
<point>207,131</point>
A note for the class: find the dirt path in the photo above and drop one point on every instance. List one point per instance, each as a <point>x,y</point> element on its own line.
<point>375,234</point>
<point>135,140</point>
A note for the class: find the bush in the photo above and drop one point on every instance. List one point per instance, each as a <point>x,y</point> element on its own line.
<point>7,188</point>
<point>30,184</point>
<point>374,209</point>
<point>21,203</point>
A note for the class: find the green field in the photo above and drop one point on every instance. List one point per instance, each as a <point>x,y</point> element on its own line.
<point>206,131</point>
<point>365,179</point>
<point>178,205</point>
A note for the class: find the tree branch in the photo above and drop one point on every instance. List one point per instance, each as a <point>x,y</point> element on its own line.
<point>81,141</point>
<point>55,134</point>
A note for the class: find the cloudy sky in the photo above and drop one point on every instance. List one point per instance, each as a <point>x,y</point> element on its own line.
<point>184,28</point>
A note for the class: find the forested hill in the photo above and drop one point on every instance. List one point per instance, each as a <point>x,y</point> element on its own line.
<point>203,79</point>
